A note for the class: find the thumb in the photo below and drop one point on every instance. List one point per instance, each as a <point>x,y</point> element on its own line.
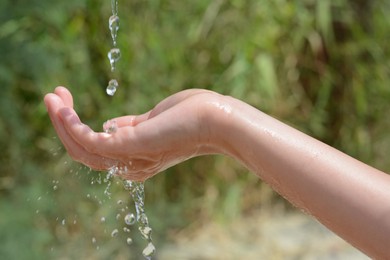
<point>129,120</point>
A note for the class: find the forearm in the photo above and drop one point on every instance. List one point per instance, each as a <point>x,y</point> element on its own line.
<point>349,197</point>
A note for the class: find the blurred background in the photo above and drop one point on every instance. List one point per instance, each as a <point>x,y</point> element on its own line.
<point>320,66</point>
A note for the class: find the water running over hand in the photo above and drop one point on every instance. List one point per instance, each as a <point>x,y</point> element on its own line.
<point>137,192</point>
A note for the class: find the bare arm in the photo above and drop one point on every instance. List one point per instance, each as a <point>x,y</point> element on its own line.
<point>348,196</point>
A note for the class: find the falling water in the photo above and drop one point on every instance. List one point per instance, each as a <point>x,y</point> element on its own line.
<point>136,189</point>
<point>137,192</point>
<point>114,54</point>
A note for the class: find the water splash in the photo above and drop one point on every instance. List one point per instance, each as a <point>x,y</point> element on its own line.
<point>109,176</point>
<point>137,192</point>
<point>136,188</point>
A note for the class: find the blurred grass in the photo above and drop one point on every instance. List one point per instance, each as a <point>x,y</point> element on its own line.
<point>320,66</point>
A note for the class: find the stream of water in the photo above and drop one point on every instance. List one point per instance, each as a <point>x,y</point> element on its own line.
<point>137,193</point>
<point>136,189</point>
<point>114,53</point>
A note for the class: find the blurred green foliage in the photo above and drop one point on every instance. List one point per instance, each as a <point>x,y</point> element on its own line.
<point>321,66</point>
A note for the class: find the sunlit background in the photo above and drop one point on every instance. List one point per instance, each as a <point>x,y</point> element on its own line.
<point>320,66</point>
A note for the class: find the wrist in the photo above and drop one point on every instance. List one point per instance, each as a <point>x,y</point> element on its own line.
<point>237,129</point>
<point>221,125</point>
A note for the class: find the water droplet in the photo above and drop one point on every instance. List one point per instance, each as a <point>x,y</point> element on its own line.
<point>114,55</point>
<point>126,230</point>
<point>130,219</point>
<point>129,241</point>
<point>55,187</point>
<point>114,233</point>
<point>127,184</point>
<point>93,240</point>
<point>149,251</point>
<point>63,222</point>
<point>145,232</point>
<point>112,86</point>
<point>118,216</point>
<point>119,202</point>
<point>103,219</point>
<point>113,24</point>
<point>107,190</point>
<point>143,219</point>
<point>110,126</point>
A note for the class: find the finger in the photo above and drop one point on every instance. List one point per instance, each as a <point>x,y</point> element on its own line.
<point>173,100</point>
<point>146,138</point>
<point>130,120</point>
<point>54,104</point>
<point>124,143</point>
<point>93,142</point>
<point>133,120</point>
<point>65,95</point>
